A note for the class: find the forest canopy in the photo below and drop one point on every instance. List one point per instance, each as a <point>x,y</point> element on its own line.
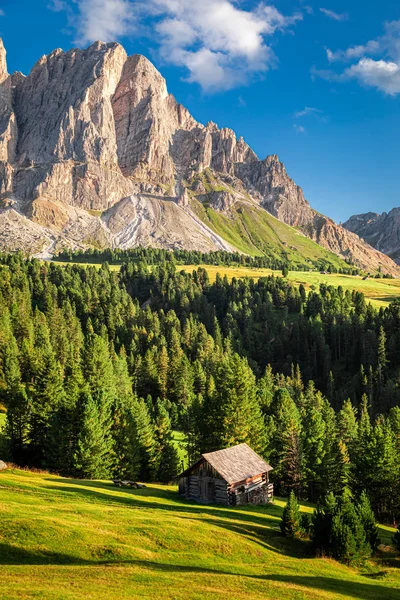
<point>98,366</point>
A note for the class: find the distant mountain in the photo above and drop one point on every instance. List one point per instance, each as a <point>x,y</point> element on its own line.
<point>380,231</point>
<point>95,152</point>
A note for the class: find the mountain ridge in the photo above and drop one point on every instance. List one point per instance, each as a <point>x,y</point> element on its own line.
<point>92,131</point>
<point>382,231</point>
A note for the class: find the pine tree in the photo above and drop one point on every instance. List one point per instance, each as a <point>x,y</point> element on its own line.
<point>286,444</point>
<point>167,459</point>
<point>290,522</point>
<point>46,398</point>
<point>314,444</point>
<point>367,518</point>
<point>93,456</point>
<point>17,423</point>
<point>321,528</point>
<point>146,441</point>
<point>348,538</point>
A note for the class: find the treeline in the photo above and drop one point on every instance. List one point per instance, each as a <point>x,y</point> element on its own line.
<point>97,367</point>
<point>153,256</point>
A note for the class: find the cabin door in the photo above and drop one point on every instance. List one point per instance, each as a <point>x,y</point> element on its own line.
<point>208,489</point>
<point>211,491</point>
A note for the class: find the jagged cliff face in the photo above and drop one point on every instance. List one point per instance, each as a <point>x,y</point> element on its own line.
<point>93,150</point>
<point>380,231</point>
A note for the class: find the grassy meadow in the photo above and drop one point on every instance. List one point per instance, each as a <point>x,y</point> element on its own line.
<point>379,292</point>
<point>67,539</point>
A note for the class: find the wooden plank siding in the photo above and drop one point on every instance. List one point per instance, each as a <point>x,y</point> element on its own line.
<point>205,485</point>
<point>231,476</point>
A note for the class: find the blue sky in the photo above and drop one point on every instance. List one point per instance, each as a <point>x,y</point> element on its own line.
<point>317,83</point>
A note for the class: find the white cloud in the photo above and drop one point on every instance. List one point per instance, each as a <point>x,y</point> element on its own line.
<point>105,20</point>
<point>220,44</point>
<point>353,52</point>
<point>2,13</point>
<point>308,110</point>
<point>334,15</point>
<point>299,128</point>
<point>382,73</point>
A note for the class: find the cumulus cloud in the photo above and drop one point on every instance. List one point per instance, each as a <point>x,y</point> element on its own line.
<point>382,72</point>
<point>219,43</point>
<point>334,15</point>
<point>105,20</point>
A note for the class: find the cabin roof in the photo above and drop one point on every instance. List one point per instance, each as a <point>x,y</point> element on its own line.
<point>234,464</point>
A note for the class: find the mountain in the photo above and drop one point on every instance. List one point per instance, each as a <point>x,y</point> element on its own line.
<point>94,151</point>
<point>380,231</point>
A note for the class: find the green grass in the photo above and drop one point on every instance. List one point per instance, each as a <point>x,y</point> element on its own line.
<point>178,438</point>
<point>380,292</point>
<point>70,539</point>
<point>254,231</point>
<point>85,264</point>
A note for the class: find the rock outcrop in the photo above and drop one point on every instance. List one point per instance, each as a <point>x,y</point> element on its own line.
<point>95,151</point>
<point>382,231</point>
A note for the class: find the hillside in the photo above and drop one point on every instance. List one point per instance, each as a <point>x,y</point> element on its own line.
<point>94,151</point>
<point>65,538</point>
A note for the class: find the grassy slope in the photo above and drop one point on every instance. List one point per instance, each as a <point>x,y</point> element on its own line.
<point>68,539</point>
<point>379,291</point>
<point>252,229</point>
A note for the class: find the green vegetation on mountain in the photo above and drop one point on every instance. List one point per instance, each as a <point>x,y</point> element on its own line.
<point>254,231</point>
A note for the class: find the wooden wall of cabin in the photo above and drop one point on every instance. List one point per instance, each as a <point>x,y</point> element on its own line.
<point>204,484</point>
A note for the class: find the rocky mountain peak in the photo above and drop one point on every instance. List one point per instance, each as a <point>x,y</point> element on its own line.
<point>96,130</point>
<point>3,62</point>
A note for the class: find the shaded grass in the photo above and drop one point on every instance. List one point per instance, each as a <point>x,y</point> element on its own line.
<point>66,538</point>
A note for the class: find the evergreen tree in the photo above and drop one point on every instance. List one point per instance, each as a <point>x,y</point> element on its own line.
<point>146,441</point>
<point>367,518</point>
<point>348,537</point>
<point>93,456</point>
<point>290,522</point>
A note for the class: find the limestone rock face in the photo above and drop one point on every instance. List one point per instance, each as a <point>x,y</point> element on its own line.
<point>380,231</point>
<point>277,193</point>
<point>95,151</point>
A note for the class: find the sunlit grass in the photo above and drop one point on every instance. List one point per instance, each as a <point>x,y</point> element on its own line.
<point>64,538</point>
<point>380,292</point>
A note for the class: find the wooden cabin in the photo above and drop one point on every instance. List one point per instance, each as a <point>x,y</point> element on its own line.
<point>232,476</point>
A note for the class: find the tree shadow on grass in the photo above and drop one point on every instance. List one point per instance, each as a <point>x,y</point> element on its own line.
<point>343,588</point>
<point>261,526</point>
<point>13,555</point>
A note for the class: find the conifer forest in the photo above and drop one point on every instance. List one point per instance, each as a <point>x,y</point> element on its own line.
<point>97,367</point>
